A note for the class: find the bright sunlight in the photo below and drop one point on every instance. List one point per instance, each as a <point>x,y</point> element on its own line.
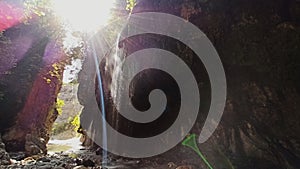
<point>84,15</point>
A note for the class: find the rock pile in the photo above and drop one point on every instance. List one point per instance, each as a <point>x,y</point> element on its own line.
<point>4,157</point>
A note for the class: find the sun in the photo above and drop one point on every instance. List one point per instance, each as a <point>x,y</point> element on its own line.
<point>84,15</point>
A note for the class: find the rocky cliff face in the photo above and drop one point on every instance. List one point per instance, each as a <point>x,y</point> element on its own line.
<point>258,43</point>
<point>29,84</point>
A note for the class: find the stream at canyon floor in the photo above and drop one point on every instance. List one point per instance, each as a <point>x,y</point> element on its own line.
<point>69,145</point>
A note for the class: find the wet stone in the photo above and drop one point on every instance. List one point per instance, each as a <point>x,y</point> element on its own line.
<point>88,163</point>
<point>44,159</point>
<point>17,156</point>
<point>80,167</point>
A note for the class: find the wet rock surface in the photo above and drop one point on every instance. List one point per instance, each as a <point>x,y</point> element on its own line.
<point>86,159</point>
<point>82,158</point>
<point>258,44</point>
<point>28,88</point>
<point>34,146</point>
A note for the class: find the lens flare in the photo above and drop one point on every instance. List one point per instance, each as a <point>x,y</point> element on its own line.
<point>84,15</point>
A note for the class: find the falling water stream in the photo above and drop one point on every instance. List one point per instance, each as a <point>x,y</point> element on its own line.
<point>104,132</point>
<point>97,59</point>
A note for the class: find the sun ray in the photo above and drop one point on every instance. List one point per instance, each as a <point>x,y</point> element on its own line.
<point>84,15</point>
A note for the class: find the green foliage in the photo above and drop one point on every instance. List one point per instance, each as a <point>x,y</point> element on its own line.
<point>56,72</point>
<point>57,67</point>
<point>59,104</point>
<point>76,122</point>
<point>73,123</point>
<point>59,128</point>
<point>74,82</point>
<point>130,5</point>
<point>37,7</point>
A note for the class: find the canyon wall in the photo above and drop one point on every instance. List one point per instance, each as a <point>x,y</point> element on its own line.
<point>30,80</point>
<point>258,43</point>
